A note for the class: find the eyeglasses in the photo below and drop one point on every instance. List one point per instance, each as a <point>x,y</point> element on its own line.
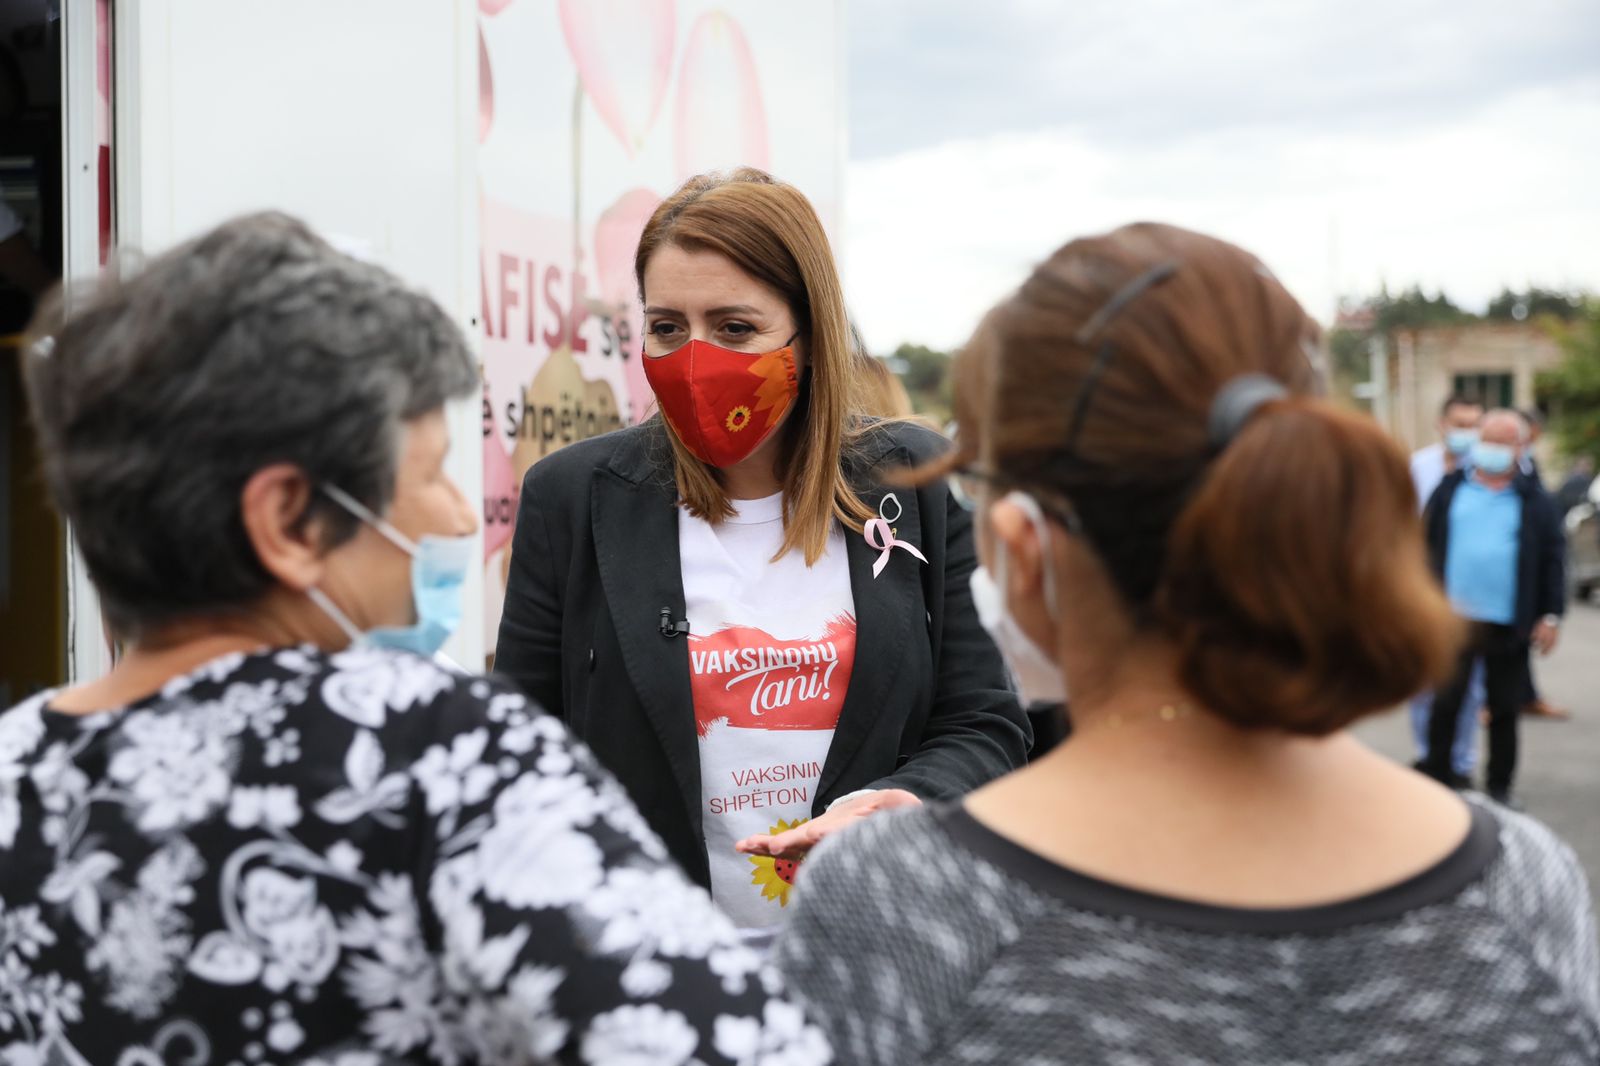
<point>967,485</point>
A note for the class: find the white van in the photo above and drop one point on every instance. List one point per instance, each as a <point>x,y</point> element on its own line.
<point>503,154</point>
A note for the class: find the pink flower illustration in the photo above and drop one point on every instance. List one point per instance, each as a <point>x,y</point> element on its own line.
<point>623,52</point>
<point>721,121</point>
<point>485,90</point>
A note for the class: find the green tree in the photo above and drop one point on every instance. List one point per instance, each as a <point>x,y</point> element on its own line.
<point>1536,303</point>
<point>1349,358</point>
<point>1414,309</point>
<point>1572,389</point>
<point>926,376</point>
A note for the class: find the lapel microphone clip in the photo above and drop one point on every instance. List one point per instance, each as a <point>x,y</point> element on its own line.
<point>669,628</point>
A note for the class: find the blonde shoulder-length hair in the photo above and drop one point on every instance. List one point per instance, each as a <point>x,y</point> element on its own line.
<point>769,230</point>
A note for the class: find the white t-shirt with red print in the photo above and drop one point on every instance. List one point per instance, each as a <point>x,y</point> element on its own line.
<point>771,648</point>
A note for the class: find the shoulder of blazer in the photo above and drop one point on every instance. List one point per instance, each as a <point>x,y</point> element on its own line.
<point>1447,488</point>
<point>1529,488</point>
<point>875,440</point>
<point>636,453</point>
<point>1537,502</point>
<point>1436,515</point>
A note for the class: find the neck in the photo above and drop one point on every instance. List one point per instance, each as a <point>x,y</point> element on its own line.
<point>1118,667</point>
<point>1129,695</point>
<point>756,476</point>
<point>1493,481</point>
<point>161,655</point>
<point>1142,717</point>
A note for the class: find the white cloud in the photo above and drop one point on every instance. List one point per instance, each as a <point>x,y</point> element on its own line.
<point>1497,194</point>
<point>1143,70</point>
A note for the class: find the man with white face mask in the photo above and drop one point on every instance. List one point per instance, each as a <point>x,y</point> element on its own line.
<point>1496,542</point>
<point>1459,419</point>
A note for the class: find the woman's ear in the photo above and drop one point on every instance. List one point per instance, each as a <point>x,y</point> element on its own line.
<point>1017,535</point>
<point>272,507</point>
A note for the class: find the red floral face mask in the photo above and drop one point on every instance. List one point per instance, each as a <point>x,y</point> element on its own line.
<point>722,403</point>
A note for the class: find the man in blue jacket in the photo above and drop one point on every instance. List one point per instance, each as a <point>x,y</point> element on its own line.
<point>1496,542</point>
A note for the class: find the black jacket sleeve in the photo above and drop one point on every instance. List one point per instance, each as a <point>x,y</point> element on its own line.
<point>1552,548</point>
<point>528,650</point>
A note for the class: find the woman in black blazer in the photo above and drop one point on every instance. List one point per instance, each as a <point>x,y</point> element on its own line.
<point>754,631</point>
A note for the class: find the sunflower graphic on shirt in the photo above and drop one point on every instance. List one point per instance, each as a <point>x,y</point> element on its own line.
<point>775,877</point>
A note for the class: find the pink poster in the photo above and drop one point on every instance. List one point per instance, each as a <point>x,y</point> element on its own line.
<point>590,113</point>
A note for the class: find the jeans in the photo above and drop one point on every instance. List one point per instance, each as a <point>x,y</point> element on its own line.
<point>1464,756</point>
<point>1505,657</point>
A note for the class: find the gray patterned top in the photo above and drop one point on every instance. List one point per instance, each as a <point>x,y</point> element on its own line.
<point>923,937</point>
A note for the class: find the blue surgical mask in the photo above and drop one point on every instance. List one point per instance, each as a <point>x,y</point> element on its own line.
<point>439,567</point>
<point>1459,442</point>
<point>1493,459</point>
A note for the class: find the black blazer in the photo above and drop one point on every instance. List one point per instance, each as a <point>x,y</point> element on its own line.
<point>1541,547</point>
<point>595,559</point>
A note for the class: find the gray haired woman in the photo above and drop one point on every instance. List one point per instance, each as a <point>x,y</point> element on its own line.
<point>275,832</point>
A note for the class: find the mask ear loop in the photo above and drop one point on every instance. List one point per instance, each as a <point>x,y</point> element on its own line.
<point>389,533</point>
<point>1030,506</point>
<point>363,512</point>
<point>331,609</point>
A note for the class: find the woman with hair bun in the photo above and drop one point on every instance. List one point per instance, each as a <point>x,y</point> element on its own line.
<point>1225,572</point>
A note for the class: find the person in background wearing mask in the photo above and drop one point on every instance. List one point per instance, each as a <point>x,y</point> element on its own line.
<point>1459,418</point>
<point>1496,542</point>
<point>276,831</point>
<point>764,638</point>
<point>1210,869</point>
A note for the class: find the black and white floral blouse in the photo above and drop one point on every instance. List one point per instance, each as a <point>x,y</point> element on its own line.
<point>355,859</point>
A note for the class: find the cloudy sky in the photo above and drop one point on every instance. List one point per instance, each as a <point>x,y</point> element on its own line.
<point>1455,145</point>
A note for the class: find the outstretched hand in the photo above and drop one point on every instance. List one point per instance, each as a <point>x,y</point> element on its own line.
<point>794,843</point>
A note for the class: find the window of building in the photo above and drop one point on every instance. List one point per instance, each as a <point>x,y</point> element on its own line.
<point>1495,390</point>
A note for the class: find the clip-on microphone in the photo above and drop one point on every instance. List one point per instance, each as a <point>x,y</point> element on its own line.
<point>669,628</point>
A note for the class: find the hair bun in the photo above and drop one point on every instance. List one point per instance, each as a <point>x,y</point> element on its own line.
<point>1295,586</point>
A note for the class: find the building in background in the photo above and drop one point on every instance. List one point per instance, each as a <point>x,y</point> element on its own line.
<point>1414,370</point>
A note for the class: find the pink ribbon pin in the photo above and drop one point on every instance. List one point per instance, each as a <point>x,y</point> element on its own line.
<point>880,536</point>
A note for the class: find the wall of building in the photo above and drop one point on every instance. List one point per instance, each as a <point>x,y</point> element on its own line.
<point>1424,365</point>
